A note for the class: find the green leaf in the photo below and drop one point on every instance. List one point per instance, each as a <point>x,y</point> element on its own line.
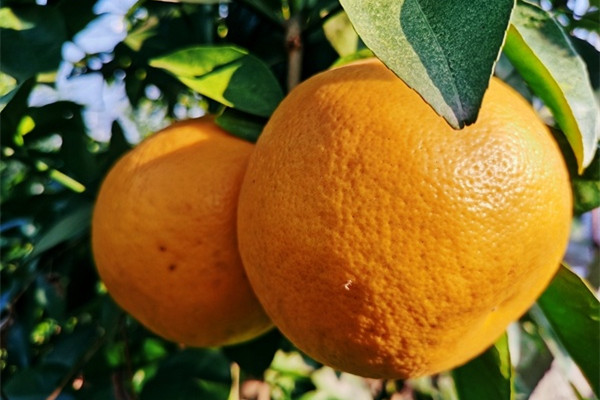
<point>542,53</point>
<point>488,376</point>
<point>445,50</point>
<point>359,55</point>
<point>271,9</point>
<point>586,187</point>
<point>197,1</point>
<point>340,33</point>
<point>190,374</point>
<point>12,112</point>
<point>573,312</point>
<point>8,90</point>
<point>72,225</point>
<point>31,41</point>
<point>255,356</point>
<point>70,348</point>
<point>589,21</point>
<point>532,359</point>
<point>226,74</point>
<point>242,125</point>
<point>32,383</point>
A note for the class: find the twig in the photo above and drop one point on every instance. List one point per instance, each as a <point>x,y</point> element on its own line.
<point>293,44</point>
<point>128,367</point>
<point>119,389</point>
<point>78,365</point>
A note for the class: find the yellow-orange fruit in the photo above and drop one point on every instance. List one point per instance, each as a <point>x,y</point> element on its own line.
<point>164,236</point>
<point>386,244</point>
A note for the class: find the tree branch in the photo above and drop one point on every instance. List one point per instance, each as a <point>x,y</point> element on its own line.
<point>293,44</point>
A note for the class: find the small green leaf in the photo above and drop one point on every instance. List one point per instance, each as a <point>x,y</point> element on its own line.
<point>586,187</point>
<point>573,312</point>
<point>9,20</point>
<point>488,376</point>
<point>13,111</point>
<point>8,84</point>
<point>226,74</point>
<point>542,53</point>
<point>445,50</point>
<point>340,33</point>
<point>242,125</point>
<point>359,55</point>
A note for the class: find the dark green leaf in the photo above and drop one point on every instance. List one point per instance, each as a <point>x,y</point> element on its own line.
<point>488,376</point>
<point>64,118</point>
<point>39,30</point>
<point>445,50</point>
<point>542,53</point>
<point>32,383</point>
<point>13,111</point>
<point>190,374</point>
<point>72,225</point>
<point>50,296</point>
<point>17,344</point>
<point>590,22</point>
<point>210,2</point>
<point>271,9</point>
<point>70,348</point>
<point>573,312</point>
<point>534,358</point>
<point>254,357</point>
<point>242,125</point>
<point>586,187</point>
<point>226,74</point>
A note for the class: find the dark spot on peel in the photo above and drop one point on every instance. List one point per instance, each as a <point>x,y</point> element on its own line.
<point>172,267</point>
<point>162,248</point>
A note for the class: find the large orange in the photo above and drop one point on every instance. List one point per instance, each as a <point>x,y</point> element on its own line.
<point>384,243</point>
<point>164,236</point>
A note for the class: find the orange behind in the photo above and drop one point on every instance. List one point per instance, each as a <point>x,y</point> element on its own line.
<point>164,236</point>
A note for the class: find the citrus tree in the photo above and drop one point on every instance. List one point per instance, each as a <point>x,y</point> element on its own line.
<point>84,81</point>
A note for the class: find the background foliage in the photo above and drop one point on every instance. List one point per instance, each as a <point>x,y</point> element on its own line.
<point>83,80</point>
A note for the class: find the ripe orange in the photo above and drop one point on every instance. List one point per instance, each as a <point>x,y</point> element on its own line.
<point>384,243</point>
<point>164,236</point>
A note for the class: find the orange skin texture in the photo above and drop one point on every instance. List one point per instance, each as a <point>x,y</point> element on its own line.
<point>386,244</point>
<point>164,236</point>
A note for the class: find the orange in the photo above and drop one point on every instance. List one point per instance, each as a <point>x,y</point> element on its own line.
<point>164,236</point>
<point>386,244</point>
